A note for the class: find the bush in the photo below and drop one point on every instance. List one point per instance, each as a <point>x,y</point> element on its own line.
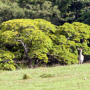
<point>25,76</point>
<point>6,60</point>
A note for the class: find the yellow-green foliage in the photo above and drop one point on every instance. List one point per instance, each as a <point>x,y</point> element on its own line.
<point>46,26</point>
<point>75,31</point>
<point>6,62</point>
<point>35,33</point>
<point>18,25</point>
<point>8,36</point>
<point>68,38</point>
<point>44,38</point>
<point>64,54</point>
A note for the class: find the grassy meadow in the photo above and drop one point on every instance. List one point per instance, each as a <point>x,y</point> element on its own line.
<point>72,77</point>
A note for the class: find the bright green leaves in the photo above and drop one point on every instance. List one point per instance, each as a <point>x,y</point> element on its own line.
<point>68,38</point>
<point>75,31</point>
<point>40,43</point>
<point>64,54</point>
<point>6,62</point>
<point>61,39</point>
<point>37,37</point>
<point>18,25</point>
<point>44,40</point>
<point>34,33</point>
<point>45,26</point>
<point>9,36</point>
<point>83,30</point>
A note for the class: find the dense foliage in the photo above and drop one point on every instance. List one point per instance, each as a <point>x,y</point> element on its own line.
<point>29,35</point>
<point>55,11</point>
<point>6,62</point>
<point>37,41</point>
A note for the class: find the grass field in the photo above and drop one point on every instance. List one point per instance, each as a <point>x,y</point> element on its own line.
<point>73,77</point>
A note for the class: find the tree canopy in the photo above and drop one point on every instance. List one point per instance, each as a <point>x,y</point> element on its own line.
<point>56,11</point>
<point>37,40</point>
<point>37,32</point>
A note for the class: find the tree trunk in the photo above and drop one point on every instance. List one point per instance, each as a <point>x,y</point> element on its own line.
<point>26,52</point>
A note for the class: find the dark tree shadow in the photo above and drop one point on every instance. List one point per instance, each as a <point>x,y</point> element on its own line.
<point>86,58</point>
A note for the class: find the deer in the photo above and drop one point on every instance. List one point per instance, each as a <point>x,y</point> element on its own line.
<point>80,57</point>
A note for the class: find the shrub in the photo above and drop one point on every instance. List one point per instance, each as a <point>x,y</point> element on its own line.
<point>6,60</point>
<point>25,76</point>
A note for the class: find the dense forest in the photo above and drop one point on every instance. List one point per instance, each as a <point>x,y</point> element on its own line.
<point>56,11</point>
<point>43,32</point>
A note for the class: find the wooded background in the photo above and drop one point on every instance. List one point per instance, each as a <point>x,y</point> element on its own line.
<point>43,32</point>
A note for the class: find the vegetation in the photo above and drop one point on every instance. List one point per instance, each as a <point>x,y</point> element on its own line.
<point>38,41</point>
<point>29,35</point>
<point>25,76</point>
<point>72,77</point>
<point>55,11</point>
<point>6,62</point>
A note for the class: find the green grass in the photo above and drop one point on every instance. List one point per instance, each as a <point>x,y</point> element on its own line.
<point>51,78</point>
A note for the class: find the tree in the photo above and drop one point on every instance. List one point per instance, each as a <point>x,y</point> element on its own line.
<point>77,35</point>
<point>56,11</point>
<point>67,39</point>
<point>38,41</point>
<point>45,10</point>
<point>31,34</point>
<point>10,11</point>
<point>84,18</point>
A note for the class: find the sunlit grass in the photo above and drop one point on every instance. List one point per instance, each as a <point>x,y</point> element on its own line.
<point>74,77</point>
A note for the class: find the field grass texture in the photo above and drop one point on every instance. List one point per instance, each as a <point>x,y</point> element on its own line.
<point>72,77</point>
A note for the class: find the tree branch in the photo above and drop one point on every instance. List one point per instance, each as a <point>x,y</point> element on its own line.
<point>24,45</point>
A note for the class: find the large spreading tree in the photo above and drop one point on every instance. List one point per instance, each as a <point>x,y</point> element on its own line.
<point>37,41</point>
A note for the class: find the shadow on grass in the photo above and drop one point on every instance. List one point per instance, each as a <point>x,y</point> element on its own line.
<point>47,75</point>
